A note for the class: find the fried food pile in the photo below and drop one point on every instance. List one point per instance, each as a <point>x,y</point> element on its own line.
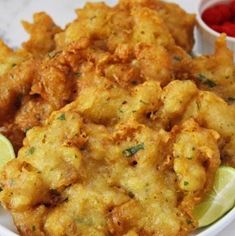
<point>42,76</point>
<point>124,129</point>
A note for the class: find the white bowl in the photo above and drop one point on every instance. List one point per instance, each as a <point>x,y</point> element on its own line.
<point>205,35</point>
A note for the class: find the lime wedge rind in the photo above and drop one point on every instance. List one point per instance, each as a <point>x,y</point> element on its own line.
<point>6,151</point>
<point>214,222</point>
<point>221,199</point>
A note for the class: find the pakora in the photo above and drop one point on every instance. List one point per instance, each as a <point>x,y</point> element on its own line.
<point>125,130</point>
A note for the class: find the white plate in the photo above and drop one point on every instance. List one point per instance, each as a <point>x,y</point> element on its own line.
<point>62,11</point>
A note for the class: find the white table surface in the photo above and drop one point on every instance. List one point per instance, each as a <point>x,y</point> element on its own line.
<point>62,11</point>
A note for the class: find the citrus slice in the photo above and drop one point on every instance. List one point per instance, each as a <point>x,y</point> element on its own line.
<point>220,200</point>
<point>6,151</point>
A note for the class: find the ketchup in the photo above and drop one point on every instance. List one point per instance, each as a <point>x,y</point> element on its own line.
<point>221,18</point>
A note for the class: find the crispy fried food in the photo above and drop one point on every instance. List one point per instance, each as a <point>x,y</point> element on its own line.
<point>18,71</point>
<point>179,23</point>
<point>42,33</point>
<point>115,24</point>
<point>128,140</point>
<point>213,112</point>
<point>216,72</point>
<point>102,168</point>
<point>47,69</point>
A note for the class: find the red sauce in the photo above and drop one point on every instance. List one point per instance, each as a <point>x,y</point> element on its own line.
<point>221,18</point>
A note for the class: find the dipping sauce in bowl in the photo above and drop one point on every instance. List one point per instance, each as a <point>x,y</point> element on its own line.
<point>215,17</point>
<point>221,18</point>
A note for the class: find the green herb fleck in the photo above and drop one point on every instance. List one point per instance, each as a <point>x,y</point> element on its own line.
<point>131,195</point>
<point>78,74</point>
<point>61,117</point>
<point>13,65</point>
<point>31,151</point>
<point>84,221</point>
<point>210,83</point>
<point>27,129</point>
<point>198,105</point>
<point>133,150</point>
<point>205,81</point>
<point>231,100</point>
<point>189,222</point>
<point>189,158</point>
<point>143,102</point>
<point>33,228</point>
<point>177,58</point>
<point>1,189</point>
<point>53,54</point>
<point>93,17</point>
<point>186,183</point>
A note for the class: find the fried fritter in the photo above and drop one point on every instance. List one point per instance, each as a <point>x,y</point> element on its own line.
<point>216,72</point>
<point>179,23</point>
<point>42,77</point>
<point>105,171</point>
<point>128,140</point>
<point>42,33</point>
<point>18,71</point>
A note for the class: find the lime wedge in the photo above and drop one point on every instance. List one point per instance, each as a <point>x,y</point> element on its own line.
<point>6,151</point>
<point>220,200</point>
